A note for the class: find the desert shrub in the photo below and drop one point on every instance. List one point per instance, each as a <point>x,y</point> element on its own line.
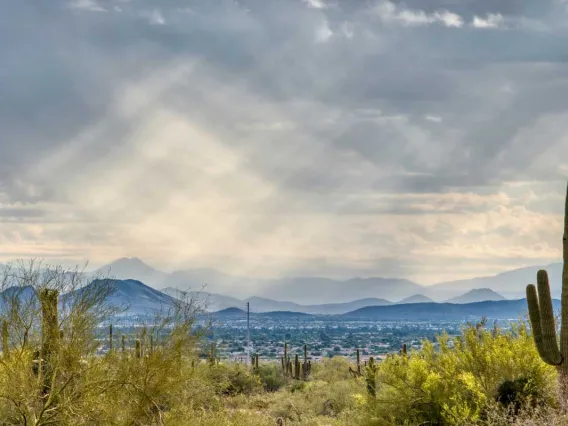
<point>518,393</point>
<point>320,402</point>
<point>498,415</point>
<point>331,370</point>
<point>454,384</point>
<point>232,379</point>
<point>271,376</point>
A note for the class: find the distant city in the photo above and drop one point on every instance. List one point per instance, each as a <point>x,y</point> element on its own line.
<point>397,312</point>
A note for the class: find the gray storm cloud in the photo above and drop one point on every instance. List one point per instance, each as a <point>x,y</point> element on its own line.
<point>423,139</point>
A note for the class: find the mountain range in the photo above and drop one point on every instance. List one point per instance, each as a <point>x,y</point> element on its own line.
<point>140,299</point>
<point>217,302</point>
<point>317,290</point>
<point>502,309</point>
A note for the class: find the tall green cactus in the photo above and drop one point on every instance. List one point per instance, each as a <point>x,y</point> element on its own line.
<point>542,321</point>
<point>50,332</point>
<point>5,338</point>
<point>306,365</point>
<point>285,360</point>
<point>110,338</point>
<point>138,349</point>
<point>212,354</point>
<point>297,367</point>
<point>371,378</point>
<point>541,316</point>
<point>357,371</point>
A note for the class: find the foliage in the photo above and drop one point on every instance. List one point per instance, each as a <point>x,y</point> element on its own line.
<point>486,378</point>
<point>455,384</point>
<point>271,377</point>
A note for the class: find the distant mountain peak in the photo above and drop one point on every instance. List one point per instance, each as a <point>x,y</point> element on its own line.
<point>132,262</point>
<point>477,295</point>
<point>417,298</point>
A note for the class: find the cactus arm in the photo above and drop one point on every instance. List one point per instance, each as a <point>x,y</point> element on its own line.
<point>547,323</point>
<point>564,301</point>
<point>534,315</point>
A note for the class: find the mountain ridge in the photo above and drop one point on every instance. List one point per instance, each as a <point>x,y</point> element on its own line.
<point>477,295</point>
<point>321,290</point>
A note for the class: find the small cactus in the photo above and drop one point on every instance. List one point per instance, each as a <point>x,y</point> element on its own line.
<point>285,360</point>
<point>371,378</point>
<point>138,349</point>
<point>123,343</point>
<point>110,338</point>
<point>307,365</point>
<point>50,332</point>
<point>254,361</point>
<point>357,371</point>
<point>5,337</point>
<point>212,354</point>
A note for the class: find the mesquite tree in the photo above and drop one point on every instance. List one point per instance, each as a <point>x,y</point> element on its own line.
<point>542,318</point>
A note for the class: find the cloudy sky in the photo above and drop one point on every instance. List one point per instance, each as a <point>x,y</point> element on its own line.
<point>426,139</point>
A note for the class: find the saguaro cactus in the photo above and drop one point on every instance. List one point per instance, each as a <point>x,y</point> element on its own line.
<point>285,359</point>
<point>371,378</point>
<point>211,357</point>
<point>50,332</point>
<point>138,349</point>
<point>306,365</point>
<point>542,318</point>
<point>255,358</point>
<point>110,337</point>
<point>357,371</point>
<point>5,336</point>
<point>297,367</point>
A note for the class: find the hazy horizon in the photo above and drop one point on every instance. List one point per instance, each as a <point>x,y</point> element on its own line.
<point>89,267</point>
<point>423,140</point>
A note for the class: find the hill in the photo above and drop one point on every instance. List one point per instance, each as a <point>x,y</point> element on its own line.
<point>510,284</point>
<point>216,302</point>
<point>504,309</point>
<point>229,313</point>
<point>477,295</point>
<point>417,298</point>
<point>136,297</point>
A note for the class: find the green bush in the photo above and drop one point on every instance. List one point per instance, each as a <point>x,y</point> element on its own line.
<point>455,385</point>
<point>517,394</point>
<point>233,379</point>
<point>271,377</point>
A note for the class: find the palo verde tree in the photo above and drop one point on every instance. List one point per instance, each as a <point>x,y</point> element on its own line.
<point>49,316</point>
<point>51,369</point>
<point>543,325</point>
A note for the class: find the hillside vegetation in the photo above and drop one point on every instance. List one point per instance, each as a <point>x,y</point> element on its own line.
<point>52,371</point>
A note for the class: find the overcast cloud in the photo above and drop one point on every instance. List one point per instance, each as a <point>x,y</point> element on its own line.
<point>424,139</point>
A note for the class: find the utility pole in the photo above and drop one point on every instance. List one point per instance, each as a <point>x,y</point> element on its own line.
<point>248,333</point>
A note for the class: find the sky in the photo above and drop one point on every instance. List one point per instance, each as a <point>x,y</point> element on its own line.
<point>424,139</point>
